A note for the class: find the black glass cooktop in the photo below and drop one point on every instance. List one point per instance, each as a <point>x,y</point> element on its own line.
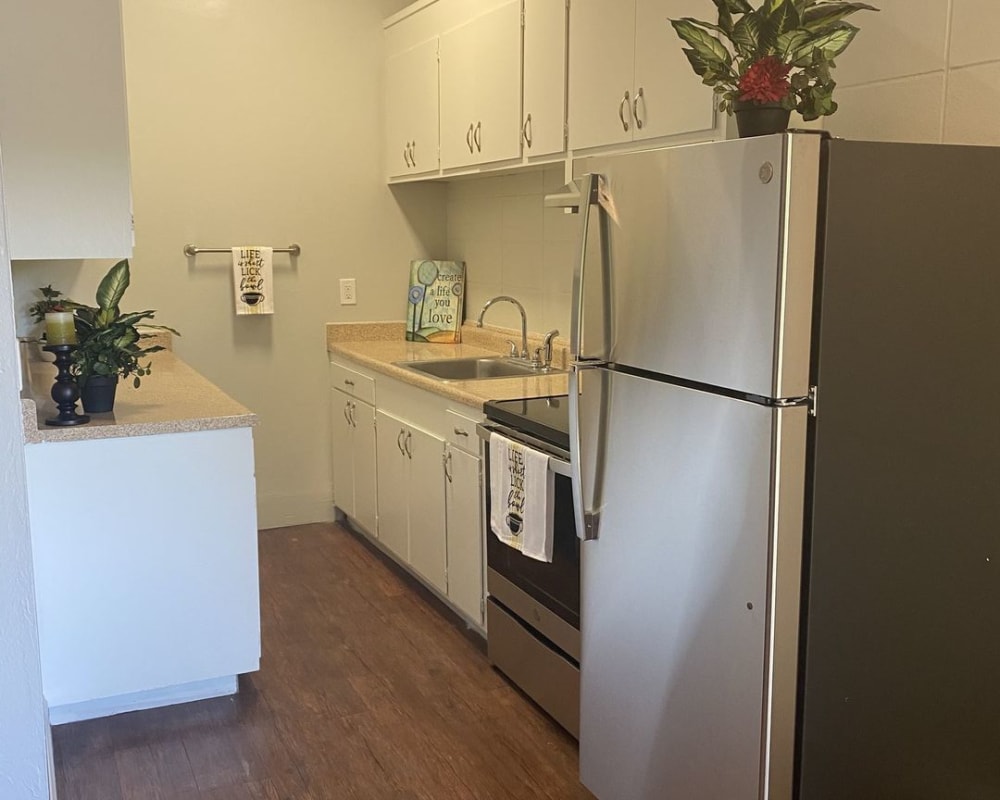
<point>544,417</point>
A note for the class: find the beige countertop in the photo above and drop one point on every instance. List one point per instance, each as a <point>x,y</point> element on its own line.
<point>378,345</point>
<point>173,399</point>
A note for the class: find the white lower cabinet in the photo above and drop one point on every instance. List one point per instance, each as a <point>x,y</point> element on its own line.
<point>411,503</point>
<point>352,445</point>
<point>465,532</point>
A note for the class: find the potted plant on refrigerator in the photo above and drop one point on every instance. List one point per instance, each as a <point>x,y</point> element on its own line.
<point>109,344</point>
<point>768,61</point>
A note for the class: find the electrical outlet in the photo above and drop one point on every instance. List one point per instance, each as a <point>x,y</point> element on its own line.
<point>348,292</point>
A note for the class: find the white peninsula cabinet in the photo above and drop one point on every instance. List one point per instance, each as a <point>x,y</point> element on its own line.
<point>64,130</point>
<point>629,80</point>
<point>352,432</point>
<point>481,89</point>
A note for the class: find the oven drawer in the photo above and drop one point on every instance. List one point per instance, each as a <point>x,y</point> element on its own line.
<point>550,679</point>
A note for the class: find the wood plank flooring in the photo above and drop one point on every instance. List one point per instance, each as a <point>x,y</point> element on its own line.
<point>366,692</point>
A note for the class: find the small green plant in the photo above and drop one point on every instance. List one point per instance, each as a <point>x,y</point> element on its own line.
<point>781,52</point>
<point>109,343</point>
<point>52,300</point>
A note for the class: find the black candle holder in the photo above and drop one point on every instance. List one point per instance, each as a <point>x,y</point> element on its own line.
<point>65,392</point>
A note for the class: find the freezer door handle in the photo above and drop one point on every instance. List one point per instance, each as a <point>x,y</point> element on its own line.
<point>587,440</point>
<point>589,297</point>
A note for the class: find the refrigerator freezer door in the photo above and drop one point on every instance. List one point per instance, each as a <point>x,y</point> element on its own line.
<point>712,253</point>
<point>690,596</point>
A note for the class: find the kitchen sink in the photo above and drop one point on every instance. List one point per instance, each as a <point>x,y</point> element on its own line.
<point>474,369</point>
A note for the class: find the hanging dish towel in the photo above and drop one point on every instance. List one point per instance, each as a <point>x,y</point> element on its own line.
<point>521,487</point>
<point>253,279</point>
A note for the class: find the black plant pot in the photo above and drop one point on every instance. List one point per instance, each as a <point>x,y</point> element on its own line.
<point>760,119</point>
<point>98,394</point>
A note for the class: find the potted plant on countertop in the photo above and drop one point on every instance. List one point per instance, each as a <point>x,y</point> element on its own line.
<point>109,345</point>
<point>768,61</point>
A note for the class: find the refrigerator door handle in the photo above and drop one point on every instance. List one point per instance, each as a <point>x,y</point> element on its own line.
<point>589,199</point>
<point>587,451</point>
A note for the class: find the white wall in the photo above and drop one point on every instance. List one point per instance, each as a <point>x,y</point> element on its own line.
<point>922,71</point>
<point>513,245</point>
<point>260,123</point>
<point>24,734</point>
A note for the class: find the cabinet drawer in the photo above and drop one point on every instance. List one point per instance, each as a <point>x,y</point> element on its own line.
<point>460,432</point>
<point>354,383</point>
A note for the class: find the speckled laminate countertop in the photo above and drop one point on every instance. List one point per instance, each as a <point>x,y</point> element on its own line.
<point>173,399</point>
<point>378,345</point>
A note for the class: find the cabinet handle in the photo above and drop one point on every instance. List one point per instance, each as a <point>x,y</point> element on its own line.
<point>477,138</point>
<point>347,411</point>
<point>406,444</point>
<point>468,137</point>
<point>460,432</point>
<point>447,466</point>
<point>526,131</point>
<point>413,153</point>
<point>623,106</point>
<point>348,383</point>
<point>635,108</point>
<point>354,421</point>
<point>406,155</point>
<point>399,442</point>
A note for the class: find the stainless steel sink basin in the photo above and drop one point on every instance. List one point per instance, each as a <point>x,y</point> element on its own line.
<point>473,369</point>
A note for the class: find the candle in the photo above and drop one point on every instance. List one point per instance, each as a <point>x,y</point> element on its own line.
<point>59,328</point>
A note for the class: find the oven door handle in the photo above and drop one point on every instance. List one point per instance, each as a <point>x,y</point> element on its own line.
<point>588,425</point>
<point>557,465</point>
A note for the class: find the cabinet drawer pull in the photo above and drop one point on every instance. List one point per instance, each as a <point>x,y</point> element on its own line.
<point>635,108</point>
<point>468,137</point>
<point>526,131</point>
<point>461,432</point>
<point>624,106</point>
<point>477,138</point>
<point>348,383</point>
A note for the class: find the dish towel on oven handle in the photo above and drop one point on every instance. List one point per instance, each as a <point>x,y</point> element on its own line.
<point>521,488</point>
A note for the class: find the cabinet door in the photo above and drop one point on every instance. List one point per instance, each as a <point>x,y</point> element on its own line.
<point>411,139</point>
<point>341,445</point>
<point>672,99</point>
<point>392,475</point>
<point>601,48</point>
<point>465,533</point>
<point>365,498</point>
<point>428,554</point>
<point>458,96</point>
<point>544,111</point>
<point>497,36</point>
<point>64,128</point>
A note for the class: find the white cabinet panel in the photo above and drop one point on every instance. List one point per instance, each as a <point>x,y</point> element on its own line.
<point>393,512</point>
<point>601,48</point>
<point>465,533</point>
<point>425,485</point>
<point>458,96</point>
<point>365,496</point>
<point>411,129</point>
<point>342,451</point>
<point>64,130</point>
<point>544,104</point>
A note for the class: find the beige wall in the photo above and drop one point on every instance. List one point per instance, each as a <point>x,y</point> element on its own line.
<point>260,123</point>
<point>922,71</point>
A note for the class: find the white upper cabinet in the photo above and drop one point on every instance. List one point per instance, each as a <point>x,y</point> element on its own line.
<point>64,130</point>
<point>411,128</point>
<point>481,89</point>
<point>628,77</point>
<point>543,127</point>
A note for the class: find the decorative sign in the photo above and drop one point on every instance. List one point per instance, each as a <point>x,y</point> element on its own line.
<point>436,300</point>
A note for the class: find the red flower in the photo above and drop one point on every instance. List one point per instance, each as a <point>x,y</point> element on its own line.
<point>766,81</point>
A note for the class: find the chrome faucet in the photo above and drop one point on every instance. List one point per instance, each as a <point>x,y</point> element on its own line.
<point>546,348</point>
<point>524,320</point>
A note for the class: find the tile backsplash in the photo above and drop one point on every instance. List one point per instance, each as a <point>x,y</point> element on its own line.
<point>511,244</point>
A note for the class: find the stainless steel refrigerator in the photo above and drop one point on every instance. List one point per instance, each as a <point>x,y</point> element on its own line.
<point>787,470</point>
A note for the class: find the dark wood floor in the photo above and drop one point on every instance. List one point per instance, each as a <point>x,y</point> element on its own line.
<point>365,691</point>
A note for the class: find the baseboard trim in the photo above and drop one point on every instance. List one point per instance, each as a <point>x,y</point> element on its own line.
<point>280,511</point>
<point>137,701</point>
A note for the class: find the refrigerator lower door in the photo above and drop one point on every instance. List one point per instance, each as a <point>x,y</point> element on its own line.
<point>690,596</point>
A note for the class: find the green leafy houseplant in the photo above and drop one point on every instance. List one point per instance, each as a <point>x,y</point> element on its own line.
<point>109,343</point>
<point>779,53</point>
<point>52,300</point>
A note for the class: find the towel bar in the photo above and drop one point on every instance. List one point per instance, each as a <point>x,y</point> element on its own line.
<point>191,250</point>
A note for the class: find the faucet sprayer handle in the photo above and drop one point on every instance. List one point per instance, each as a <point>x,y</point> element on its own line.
<point>513,348</point>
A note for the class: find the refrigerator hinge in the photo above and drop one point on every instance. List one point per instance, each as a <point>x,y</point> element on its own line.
<point>591,525</point>
<point>813,400</point>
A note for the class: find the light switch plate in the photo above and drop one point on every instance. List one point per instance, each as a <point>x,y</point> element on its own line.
<point>348,292</point>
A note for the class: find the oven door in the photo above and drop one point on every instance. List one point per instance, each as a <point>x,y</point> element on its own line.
<point>554,586</point>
